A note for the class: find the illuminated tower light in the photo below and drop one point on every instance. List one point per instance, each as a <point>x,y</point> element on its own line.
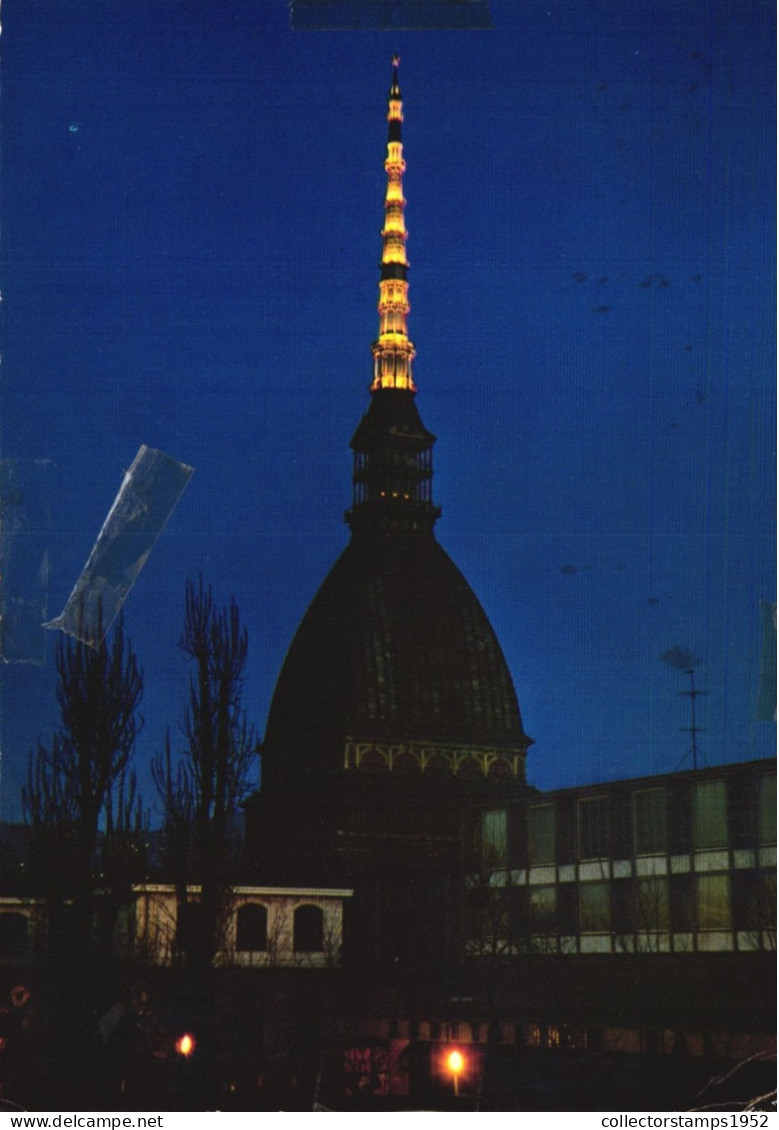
<point>392,351</point>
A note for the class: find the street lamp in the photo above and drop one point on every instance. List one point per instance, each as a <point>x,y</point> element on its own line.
<point>185,1045</point>
<point>455,1064</point>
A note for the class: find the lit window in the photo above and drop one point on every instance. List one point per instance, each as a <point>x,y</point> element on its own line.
<point>541,833</point>
<point>710,815</point>
<point>650,821</point>
<point>542,907</point>
<point>594,916</point>
<point>593,828</point>
<point>713,902</point>
<point>494,838</point>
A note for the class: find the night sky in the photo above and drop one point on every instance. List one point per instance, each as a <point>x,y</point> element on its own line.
<point>191,205</point>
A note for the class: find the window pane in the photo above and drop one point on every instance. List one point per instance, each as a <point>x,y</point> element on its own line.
<point>251,931</point>
<point>308,930</point>
<point>543,904</point>
<point>713,902</point>
<point>766,813</point>
<point>541,834</point>
<point>494,838</point>
<point>191,927</point>
<point>653,907</point>
<point>594,908</point>
<point>682,903</point>
<point>710,815</point>
<point>593,828</point>
<point>764,910</point>
<point>623,907</point>
<point>650,812</point>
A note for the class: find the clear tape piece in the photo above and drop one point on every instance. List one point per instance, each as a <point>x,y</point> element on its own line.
<point>147,498</point>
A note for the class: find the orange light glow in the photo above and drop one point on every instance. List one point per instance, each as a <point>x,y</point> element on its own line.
<point>185,1045</point>
<point>455,1062</point>
<point>455,1065</point>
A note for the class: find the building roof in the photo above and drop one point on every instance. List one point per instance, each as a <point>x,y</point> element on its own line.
<point>394,647</point>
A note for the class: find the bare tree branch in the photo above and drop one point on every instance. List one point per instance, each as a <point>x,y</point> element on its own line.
<point>202,792</point>
<point>80,787</point>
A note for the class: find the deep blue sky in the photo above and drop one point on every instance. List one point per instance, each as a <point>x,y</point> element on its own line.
<point>191,207</point>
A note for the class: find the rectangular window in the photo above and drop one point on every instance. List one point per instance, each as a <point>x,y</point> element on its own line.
<point>594,916</point>
<point>682,903</point>
<point>567,908</point>
<point>652,905</point>
<point>543,904</point>
<point>623,906</point>
<point>766,810</point>
<point>541,834</point>
<point>494,838</point>
<point>649,806</point>
<point>593,828</point>
<point>710,815</point>
<point>713,902</point>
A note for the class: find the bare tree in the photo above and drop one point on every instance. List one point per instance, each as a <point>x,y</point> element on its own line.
<point>489,905</point>
<point>502,918</point>
<point>80,798</point>
<point>173,781</point>
<point>86,843</point>
<point>201,792</point>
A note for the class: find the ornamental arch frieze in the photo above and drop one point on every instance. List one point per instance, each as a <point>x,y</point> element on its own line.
<point>414,758</point>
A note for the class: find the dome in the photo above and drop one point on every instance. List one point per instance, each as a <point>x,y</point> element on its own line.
<point>394,648</point>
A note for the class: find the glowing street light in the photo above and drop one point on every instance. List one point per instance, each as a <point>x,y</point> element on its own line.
<point>185,1045</point>
<point>455,1064</point>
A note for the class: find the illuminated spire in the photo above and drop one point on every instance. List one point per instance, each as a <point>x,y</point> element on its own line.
<point>392,351</point>
<point>393,450</point>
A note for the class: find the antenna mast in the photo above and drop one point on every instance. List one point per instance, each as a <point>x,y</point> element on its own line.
<point>694,729</point>
<point>684,660</point>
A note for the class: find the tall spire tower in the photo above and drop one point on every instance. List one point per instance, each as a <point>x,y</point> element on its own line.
<point>393,466</point>
<point>393,352</point>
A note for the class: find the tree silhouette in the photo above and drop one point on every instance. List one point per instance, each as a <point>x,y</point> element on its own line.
<point>80,798</point>
<point>86,843</point>
<point>202,792</point>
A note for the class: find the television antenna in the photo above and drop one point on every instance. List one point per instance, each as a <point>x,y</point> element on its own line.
<point>687,662</point>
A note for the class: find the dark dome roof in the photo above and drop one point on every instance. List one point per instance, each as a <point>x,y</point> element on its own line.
<point>394,647</point>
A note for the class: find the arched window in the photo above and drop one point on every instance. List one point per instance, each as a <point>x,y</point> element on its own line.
<point>190,927</point>
<point>251,927</point>
<point>309,930</point>
<point>13,935</point>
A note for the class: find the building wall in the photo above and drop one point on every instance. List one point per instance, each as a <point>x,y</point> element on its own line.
<point>264,926</point>
<point>678,863</point>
